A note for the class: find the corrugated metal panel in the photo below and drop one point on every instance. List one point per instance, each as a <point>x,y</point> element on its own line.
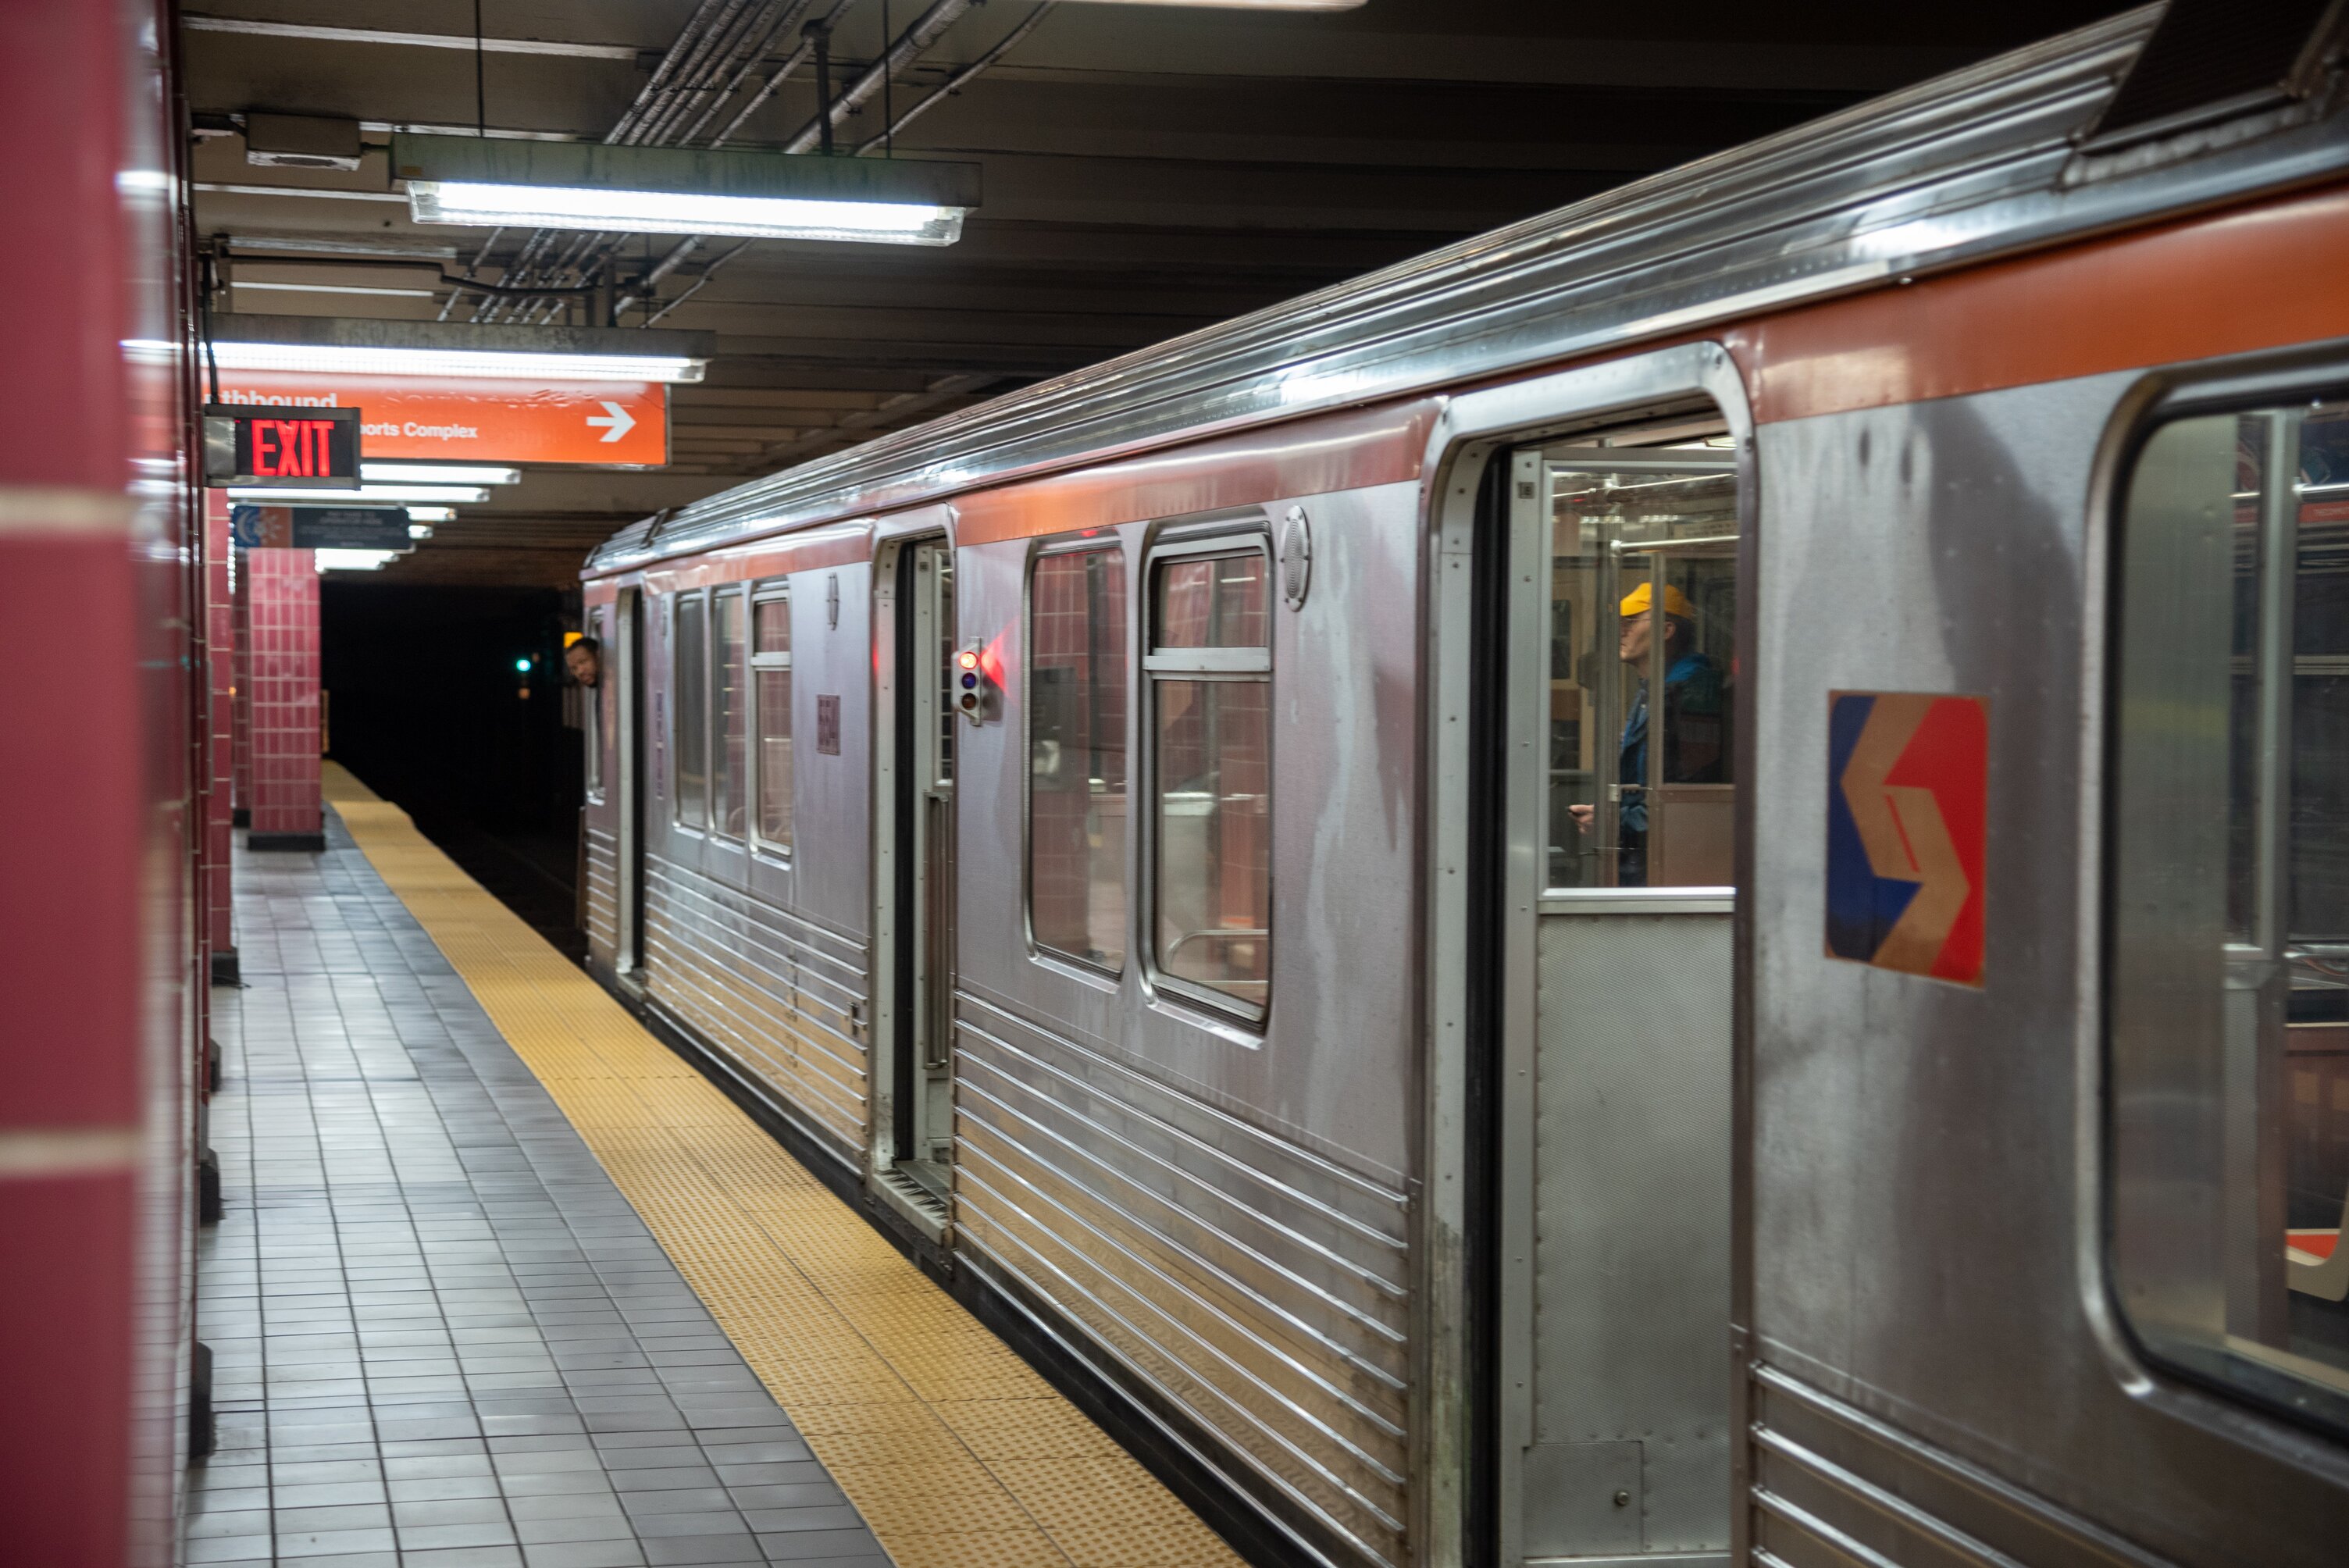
<point>603,893</point>
<point>1254,1283</point>
<point>1968,166</point>
<point>784,998</point>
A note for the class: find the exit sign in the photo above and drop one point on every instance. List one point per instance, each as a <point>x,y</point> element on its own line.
<point>308,448</point>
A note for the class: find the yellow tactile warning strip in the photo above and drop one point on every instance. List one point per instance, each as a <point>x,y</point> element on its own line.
<point>958,1455</point>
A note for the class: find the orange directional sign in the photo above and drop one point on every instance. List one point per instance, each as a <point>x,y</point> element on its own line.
<point>448,419</point>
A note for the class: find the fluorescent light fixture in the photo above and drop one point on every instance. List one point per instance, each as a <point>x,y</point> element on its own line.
<point>598,188</point>
<point>418,530</point>
<point>439,474</point>
<point>432,514</point>
<point>450,494</point>
<point>678,212</point>
<point>469,363</point>
<point>332,289</point>
<point>354,560</point>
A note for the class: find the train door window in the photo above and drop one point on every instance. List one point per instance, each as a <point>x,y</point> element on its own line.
<point>595,708</point>
<point>1209,664</point>
<point>1642,640</point>
<point>689,687</point>
<point>771,676</point>
<point>1075,708</point>
<point>730,757</point>
<point>2227,977</point>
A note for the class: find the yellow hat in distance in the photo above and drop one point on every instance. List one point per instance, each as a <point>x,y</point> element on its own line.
<point>1676,602</point>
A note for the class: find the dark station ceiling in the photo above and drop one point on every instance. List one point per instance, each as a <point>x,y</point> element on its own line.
<point>1148,169</point>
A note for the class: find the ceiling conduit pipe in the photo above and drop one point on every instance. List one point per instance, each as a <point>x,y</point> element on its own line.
<point>690,74</point>
<point>718,62</point>
<point>683,47</point>
<point>955,83</point>
<point>783,24</point>
<point>910,47</point>
<point>797,58</point>
<point>724,63</point>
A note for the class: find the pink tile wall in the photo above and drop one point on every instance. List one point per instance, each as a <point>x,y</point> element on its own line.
<point>220,633</point>
<point>285,685</point>
<point>241,714</point>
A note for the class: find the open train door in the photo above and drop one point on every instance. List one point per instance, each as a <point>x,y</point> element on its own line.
<point>912,1127</point>
<point>1602,689</point>
<point>625,665</point>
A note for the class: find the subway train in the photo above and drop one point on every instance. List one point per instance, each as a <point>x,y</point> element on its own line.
<point>1671,886</point>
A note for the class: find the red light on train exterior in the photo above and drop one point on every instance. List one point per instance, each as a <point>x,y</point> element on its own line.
<point>310,447</point>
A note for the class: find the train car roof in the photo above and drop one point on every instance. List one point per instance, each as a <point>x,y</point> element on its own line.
<point>1984,161</point>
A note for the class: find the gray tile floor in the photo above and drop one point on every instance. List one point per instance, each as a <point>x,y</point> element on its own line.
<point>442,1339</point>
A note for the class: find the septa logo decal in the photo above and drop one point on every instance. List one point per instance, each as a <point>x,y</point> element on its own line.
<point>1908,796</point>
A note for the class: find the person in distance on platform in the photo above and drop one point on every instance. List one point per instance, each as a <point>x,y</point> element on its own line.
<point>585,660</point>
<point>1694,708</point>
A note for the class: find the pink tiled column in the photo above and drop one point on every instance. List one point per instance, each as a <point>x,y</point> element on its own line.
<point>220,634</point>
<point>241,707</point>
<point>285,665</point>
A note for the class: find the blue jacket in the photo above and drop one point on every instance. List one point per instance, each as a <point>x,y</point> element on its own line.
<point>1691,684</point>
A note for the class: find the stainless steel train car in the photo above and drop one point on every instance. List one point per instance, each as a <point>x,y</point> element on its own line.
<point>1665,888</point>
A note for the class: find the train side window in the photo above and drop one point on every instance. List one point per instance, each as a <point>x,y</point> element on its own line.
<point>771,677</point>
<point>1075,707</point>
<point>689,708</point>
<point>2228,970</point>
<point>1209,664</point>
<point>729,759</point>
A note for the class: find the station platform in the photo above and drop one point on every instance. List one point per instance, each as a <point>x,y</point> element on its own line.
<point>504,1283</point>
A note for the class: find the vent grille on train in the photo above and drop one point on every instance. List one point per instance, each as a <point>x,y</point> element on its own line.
<point>2208,59</point>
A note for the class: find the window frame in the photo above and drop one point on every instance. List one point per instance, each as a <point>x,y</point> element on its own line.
<point>675,619</point>
<point>2244,384</point>
<point>1111,543</point>
<point>715,710</point>
<point>1221,539</point>
<point>774,852</point>
<point>594,784</point>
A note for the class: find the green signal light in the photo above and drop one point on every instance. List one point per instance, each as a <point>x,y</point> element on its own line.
<point>522,665</point>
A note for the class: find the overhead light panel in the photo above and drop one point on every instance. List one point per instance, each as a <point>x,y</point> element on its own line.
<point>376,345</point>
<point>439,474</point>
<point>455,495</point>
<point>683,190</point>
<point>470,364</point>
<point>674,212</point>
<point>432,514</point>
<point>355,560</point>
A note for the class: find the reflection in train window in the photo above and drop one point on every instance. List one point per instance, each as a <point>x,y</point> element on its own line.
<point>730,761</point>
<point>771,678</point>
<point>1076,755</point>
<point>1210,670</point>
<point>1643,667</point>
<point>2230,859</point>
<point>690,683</point>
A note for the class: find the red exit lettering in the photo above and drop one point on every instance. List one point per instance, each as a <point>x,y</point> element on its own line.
<point>292,449</point>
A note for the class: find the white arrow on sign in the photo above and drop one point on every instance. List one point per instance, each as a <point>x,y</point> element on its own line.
<point>616,422</point>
